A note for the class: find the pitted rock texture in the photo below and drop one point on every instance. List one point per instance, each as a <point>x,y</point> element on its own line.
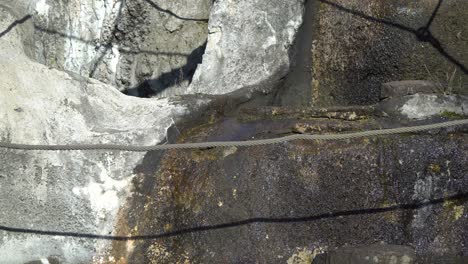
<point>266,204</point>
<point>359,44</point>
<point>408,87</point>
<point>383,254</point>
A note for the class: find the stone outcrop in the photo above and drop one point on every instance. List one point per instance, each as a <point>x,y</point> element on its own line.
<point>146,47</point>
<point>248,44</point>
<point>77,191</point>
<point>152,48</point>
<point>424,106</point>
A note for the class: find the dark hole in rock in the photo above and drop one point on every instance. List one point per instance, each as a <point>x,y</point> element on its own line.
<point>153,87</point>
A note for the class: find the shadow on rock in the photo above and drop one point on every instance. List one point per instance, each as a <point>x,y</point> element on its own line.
<point>152,87</point>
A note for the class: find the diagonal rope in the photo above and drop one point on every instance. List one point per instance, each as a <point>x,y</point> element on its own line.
<point>369,133</point>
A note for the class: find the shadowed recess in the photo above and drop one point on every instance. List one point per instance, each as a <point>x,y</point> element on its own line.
<point>152,87</point>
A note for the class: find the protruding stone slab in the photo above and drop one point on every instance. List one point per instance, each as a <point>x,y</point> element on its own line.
<point>248,44</point>
<point>383,254</point>
<point>424,106</point>
<point>409,87</point>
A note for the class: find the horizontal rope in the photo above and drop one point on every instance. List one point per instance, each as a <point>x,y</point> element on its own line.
<point>258,142</point>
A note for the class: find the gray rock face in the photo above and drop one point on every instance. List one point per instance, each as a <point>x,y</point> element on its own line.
<point>425,106</point>
<point>149,47</point>
<point>81,192</point>
<point>248,44</point>
<point>264,204</point>
<point>421,106</point>
<point>77,191</point>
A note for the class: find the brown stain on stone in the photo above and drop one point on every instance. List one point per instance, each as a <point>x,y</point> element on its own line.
<point>187,188</point>
<point>182,194</point>
<point>434,168</point>
<point>119,251</point>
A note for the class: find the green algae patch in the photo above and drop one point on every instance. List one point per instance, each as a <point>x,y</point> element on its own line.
<point>452,115</point>
<point>455,209</point>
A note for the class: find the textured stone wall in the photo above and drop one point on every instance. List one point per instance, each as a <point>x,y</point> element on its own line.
<point>273,203</point>
<point>78,191</point>
<point>360,44</point>
<point>145,47</point>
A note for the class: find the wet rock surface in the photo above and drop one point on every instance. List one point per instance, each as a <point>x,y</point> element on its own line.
<point>268,203</point>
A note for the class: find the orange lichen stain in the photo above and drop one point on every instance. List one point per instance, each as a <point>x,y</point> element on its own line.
<point>120,250</point>
<point>435,168</point>
<point>168,227</point>
<point>366,141</point>
<point>200,155</point>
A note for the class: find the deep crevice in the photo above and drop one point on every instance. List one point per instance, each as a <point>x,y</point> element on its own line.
<point>153,87</point>
<point>296,89</point>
